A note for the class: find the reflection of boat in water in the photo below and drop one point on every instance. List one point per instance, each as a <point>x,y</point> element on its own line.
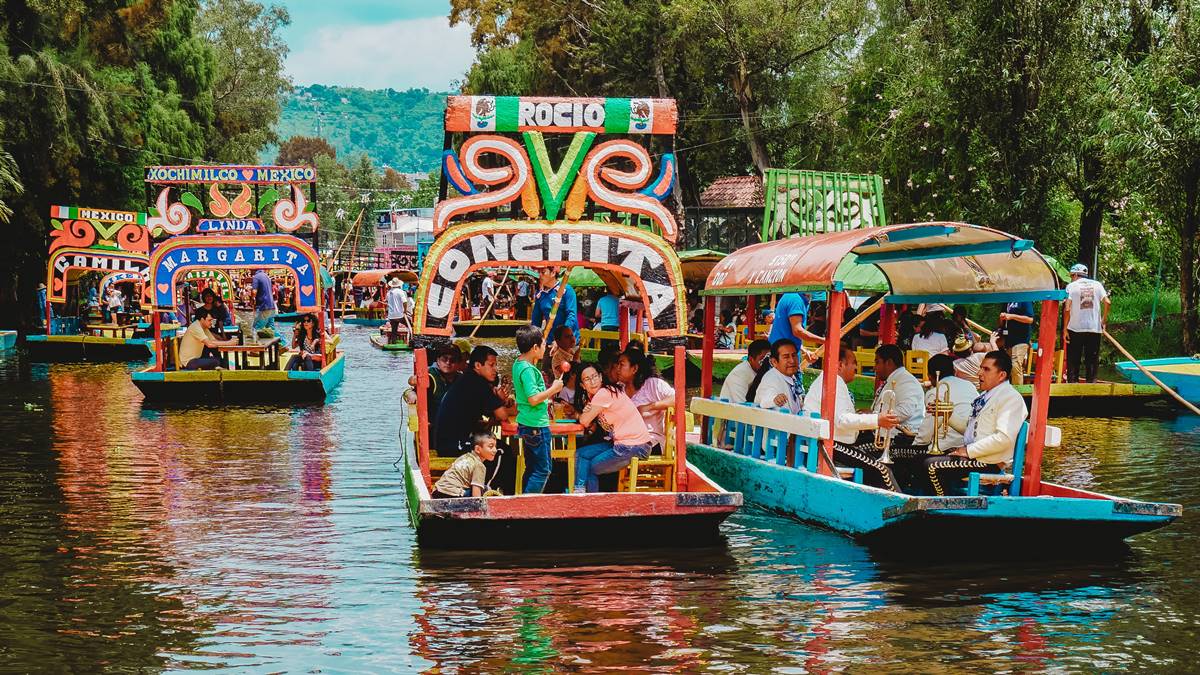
<point>1181,373</point>
<point>1014,510</point>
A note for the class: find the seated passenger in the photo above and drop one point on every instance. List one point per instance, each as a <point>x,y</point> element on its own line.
<point>849,448</point>
<point>909,401</point>
<point>467,476</point>
<point>781,386</point>
<point>930,338</point>
<point>471,404</point>
<point>196,339</point>
<point>612,407</point>
<point>737,382</point>
<point>726,331</point>
<point>637,373</point>
<point>306,340</point>
<point>961,394</point>
<point>990,437</point>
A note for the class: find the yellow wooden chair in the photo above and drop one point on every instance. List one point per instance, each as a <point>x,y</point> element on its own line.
<point>916,361</point>
<point>865,358</point>
<point>561,447</point>
<point>657,472</point>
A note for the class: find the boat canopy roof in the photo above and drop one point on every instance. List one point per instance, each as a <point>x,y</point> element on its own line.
<point>921,262</point>
<point>374,277</point>
<point>697,263</point>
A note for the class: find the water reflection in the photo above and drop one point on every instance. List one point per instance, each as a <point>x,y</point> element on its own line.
<point>265,538</point>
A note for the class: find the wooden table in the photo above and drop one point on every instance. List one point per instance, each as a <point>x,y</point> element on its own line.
<point>110,329</point>
<point>569,430</point>
<point>266,350</point>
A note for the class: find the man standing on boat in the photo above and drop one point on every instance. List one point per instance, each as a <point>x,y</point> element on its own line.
<point>1085,319</point>
<point>851,448</point>
<point>487,294</point>
<point>992,429</point>
<point>791,320</point>
<point>1016,321</point>
<point>397,306</point>
<point>522,301</point>
<point>264,303</point>
<point>543,307</point>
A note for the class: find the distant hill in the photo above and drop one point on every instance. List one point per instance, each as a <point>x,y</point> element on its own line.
<point>402,129</point>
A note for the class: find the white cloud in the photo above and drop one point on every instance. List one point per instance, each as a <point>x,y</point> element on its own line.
<point>424,52</point>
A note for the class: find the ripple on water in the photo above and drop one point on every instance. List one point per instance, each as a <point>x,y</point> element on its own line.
<point>265,538</point>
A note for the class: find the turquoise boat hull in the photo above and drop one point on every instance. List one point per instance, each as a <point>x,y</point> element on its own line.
<point>8,340</point>
<point>355,321</point>
<point>1181,373</point>
<point>940,526</point>
<point>240,386</point>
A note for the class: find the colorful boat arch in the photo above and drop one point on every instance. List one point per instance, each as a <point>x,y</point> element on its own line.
<point>119,278</point>
<point>68,259</point>
<point>186,253</point>
<point>215,276</point>
<point>641,255</point>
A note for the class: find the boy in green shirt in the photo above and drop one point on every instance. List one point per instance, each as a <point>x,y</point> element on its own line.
<point>533,415</point>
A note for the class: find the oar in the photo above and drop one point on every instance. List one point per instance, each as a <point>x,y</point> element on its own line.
<point>862,315</point>
<point>1150,375</point>
<point>489,307</point>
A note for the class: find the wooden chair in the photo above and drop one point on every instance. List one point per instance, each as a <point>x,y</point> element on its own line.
<point>560,448</point>
<point>866,359</point>
<point>656,473</point>
<point>916,361</point>
<point>1005,482</point>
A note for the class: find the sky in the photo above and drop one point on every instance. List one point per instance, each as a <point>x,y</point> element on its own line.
<point>375,44</point>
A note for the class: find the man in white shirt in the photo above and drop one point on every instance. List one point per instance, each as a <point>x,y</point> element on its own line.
<point>115,303</point>
<point>1085,318</point>
<point>990,436</point>
<point>196,340</point>
<point>960,393</point>
<point>522,302</point>
<point>781,386</point>
<point>397,304</point>
<point>847,424</point>
<point>737,383</point>
<point>909,401</point>
<point>487,293</point>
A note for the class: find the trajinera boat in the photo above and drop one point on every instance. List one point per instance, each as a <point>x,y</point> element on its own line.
<point>745,448</point>
<point>256,368</point>
<point>103,241</point>
<point>1181,373</point>
<point>662,500</point>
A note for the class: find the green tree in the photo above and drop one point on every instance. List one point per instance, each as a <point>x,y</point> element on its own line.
<point>303,150</point>
<point>248,80</point>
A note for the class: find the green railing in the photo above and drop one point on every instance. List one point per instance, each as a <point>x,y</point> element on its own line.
<point>803,203</point>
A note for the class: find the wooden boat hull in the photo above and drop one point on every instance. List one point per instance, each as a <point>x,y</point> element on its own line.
<point>70,348</point>
<point>380,342</point>
<point>592,521</point>
<point>490,327</point>
<point>984,525</point>
<point>8,340</point>
<point>228,386</point>
<point>1181,373</point>
<point>356,321</point>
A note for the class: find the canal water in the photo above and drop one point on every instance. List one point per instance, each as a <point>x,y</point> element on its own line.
<point>275,539</point>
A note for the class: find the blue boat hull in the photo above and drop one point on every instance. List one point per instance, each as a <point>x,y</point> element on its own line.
<point>1186,385</point>
<point>224,386</point>
<point>8,340</point>
<point>355,321</point>
<point>941,526</point>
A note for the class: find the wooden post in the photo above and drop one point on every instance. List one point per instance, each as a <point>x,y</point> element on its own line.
<point>421,365</point>
<point>49,316</point>
<point>1031,482</point>
<point>829,373</point>
<point>706,359</point>
<point>681,474</point>
<point>887,324</point>
<point>159,352</point>
<point>751,318</point>
<point>623,324</point>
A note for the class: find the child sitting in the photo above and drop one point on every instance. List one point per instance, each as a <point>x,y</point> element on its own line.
<point>467,476</point>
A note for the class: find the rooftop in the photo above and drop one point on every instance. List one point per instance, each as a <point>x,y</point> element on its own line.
<point>733,192</point>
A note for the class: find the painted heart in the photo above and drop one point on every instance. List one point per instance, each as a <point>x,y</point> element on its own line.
<point>247,174</point>
<point>306,290</point>
<point>58,284</point>
<point>164,288</point>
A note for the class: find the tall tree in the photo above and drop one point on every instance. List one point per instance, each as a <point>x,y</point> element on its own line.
<point>248,80</point>
<point>304,150</point>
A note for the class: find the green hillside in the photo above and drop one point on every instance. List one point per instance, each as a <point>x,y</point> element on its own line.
<point>402,129</point>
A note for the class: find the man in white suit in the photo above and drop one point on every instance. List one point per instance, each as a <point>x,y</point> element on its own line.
<point>991,434</point>
<point>781,386</point>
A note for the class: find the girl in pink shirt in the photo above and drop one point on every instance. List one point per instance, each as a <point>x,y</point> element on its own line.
<point>611,406</point>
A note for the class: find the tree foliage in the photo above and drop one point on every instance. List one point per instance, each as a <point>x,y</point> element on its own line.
<point>303,150</point>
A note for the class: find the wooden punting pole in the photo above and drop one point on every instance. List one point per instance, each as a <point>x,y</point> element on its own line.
<point>1031,482</point>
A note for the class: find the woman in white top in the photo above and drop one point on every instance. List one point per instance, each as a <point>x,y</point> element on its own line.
<point>930,338</point>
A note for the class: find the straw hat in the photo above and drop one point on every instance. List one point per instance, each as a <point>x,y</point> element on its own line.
<point>961,344</point>
<point>41,287</point>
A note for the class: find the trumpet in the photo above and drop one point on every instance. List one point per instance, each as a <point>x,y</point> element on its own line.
<point>941,410</point>
<point>883,437</point>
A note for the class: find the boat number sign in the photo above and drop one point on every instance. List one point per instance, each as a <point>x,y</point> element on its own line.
<point>218,255</point>
<point>639,259</point>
